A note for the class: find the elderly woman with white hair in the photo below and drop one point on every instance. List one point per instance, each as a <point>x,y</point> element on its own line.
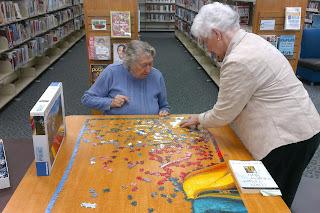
<point>131,87</point>
<point>260,96</point>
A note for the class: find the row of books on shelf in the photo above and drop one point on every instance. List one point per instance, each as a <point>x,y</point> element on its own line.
<point>313,5</point>
<point>314,20</point>
<point>18,32</point>
<point>242,8</point>
<point>161,7</point>
<point>18,57</point>
<point>160,1</point>
<point>160,17</point>
<point>14,10</point>
<point>194,5</point>
<point>183,27</point>
<point>185,15</point>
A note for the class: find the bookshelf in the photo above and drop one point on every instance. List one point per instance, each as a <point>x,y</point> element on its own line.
<point>252,12</point>
<point>157,15</point>
<point>34,38</point>
<point>313,8</point>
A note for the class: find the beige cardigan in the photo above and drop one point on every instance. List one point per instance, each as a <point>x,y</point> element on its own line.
<point>260,94</point>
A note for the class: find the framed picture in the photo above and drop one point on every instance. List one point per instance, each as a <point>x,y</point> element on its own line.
<point>119,50</point>
<point>120,24</point>
<point>96,69</point>
<point>99,24</point>
<point>99,48</point>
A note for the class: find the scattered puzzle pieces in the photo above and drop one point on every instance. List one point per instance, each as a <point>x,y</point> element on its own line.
<point>173,152</point>
<point>106,190</point>
<point>134,203</point>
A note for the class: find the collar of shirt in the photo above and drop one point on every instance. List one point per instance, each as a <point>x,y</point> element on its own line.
<point>240,34</point>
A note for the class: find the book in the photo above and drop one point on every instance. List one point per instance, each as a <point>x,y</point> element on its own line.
<point>292,18</point>
<point>99,48</point>
<point>96,69</point>
<point>99,24</point>
<point>4,172</point>
<point>120,24</point>
<point>273,39</point>
<point>119,50</point>
<point>315,21</point>
<point>286,45</point>
<point>243,9</point>
<point>252,176</point>
<point>48,127</point>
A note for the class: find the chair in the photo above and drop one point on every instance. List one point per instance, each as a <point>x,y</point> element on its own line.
<point>309,61</point>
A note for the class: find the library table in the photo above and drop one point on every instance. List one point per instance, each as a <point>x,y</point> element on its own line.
<point>117,164</point>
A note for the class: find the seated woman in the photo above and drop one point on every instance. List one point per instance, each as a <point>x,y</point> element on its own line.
<point>131,87</point>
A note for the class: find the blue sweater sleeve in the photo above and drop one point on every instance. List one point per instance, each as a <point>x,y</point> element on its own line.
<point>162,99</point>
<point>97,96</point>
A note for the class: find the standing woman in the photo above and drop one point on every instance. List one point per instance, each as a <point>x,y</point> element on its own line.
<point>131,87</point>
<point>259,94</point>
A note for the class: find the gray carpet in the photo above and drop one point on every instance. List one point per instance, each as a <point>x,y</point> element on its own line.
<point>189,91</point>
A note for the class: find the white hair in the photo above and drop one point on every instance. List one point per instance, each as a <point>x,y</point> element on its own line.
<point>214,16</point>
<point>135,49</point>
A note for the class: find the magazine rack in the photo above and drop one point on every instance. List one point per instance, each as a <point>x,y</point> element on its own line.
<point>100,10</point>
<point>275,9</point>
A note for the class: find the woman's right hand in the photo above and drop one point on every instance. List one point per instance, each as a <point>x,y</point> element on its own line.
<point>119,101</point>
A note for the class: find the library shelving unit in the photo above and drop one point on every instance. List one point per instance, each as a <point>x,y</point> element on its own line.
<point>312,9</point>
<point>251,12</point>
<point>157,15</point>
<point>101,10</point>
<point>33,35</point>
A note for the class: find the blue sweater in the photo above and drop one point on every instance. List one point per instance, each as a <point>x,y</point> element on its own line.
<point>146,96</point>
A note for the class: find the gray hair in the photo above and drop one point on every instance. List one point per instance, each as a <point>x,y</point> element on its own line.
<point>135,49</point>
<point>214,16</point>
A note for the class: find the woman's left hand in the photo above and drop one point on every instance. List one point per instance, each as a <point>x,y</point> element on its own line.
<point>163,113</point>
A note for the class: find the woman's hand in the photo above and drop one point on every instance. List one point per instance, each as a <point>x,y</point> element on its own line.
<point>163,113</point>
<point>119,101</point>
<point>191,122</point>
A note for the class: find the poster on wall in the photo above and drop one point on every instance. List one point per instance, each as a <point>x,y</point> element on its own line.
<point>99,48</point>
<point>96,69</point>
<point>120,24</point>
<point>119,50</point>
<point>292,18</point>
<point>99,24</point>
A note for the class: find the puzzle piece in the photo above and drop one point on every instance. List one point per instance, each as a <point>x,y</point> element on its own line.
<point>88,205</point>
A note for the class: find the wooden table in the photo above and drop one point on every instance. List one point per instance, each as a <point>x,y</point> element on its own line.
<point>34,193</point>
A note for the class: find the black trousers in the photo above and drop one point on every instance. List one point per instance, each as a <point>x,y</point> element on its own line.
<point>287,163</point>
